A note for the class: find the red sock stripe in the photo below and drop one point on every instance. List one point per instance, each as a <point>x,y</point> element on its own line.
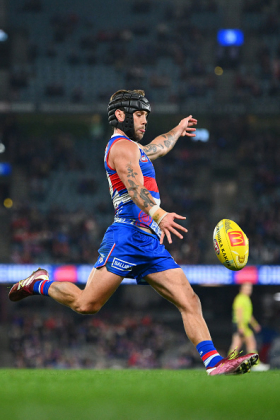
<point>210,353</point>
<point>42,286</point>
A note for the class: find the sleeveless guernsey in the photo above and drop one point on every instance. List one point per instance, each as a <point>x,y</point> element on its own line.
<point>126,211</point>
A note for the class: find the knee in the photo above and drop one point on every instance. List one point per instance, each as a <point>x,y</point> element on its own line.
<point>87,308</point>
<point>191,304</point>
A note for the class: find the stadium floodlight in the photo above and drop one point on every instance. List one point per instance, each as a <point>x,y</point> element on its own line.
<point>5,169</point>
<point>277,297</point>
<point>230,37</point>
<point>201,134</point>
<point>3,36</point>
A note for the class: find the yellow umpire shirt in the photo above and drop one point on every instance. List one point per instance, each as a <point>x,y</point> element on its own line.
<point>244,302</point>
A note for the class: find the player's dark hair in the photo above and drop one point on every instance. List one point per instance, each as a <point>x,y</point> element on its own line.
<point>128,101</point>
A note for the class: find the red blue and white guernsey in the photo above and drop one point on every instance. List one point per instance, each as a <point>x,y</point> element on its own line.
<point>126,211</point>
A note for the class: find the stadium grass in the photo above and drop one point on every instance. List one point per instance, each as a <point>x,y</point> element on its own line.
<point>137,395</point>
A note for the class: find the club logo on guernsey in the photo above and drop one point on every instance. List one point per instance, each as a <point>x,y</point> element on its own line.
<point>122,265</point>
<point>144,217</point>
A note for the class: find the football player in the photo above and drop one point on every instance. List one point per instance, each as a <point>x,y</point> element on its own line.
<point>133,245</point>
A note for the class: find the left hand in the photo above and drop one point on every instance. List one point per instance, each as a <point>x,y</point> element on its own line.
<point>167,226</point>
<point>186,125</point>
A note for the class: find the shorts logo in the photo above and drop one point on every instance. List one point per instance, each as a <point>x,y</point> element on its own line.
<point>101,260</point>
<point>122,265</point>
<point>236,238</point>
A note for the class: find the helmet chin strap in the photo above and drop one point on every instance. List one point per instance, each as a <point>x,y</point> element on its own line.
<point>127,126</point>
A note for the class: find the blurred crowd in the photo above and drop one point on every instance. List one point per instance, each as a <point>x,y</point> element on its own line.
<point>54,233</point>
<point>260,76</point>
<point>261,153</point>
<point>56,236</point>
<point>134,52</point>
<point>122,341</point>
<point>265,79</point>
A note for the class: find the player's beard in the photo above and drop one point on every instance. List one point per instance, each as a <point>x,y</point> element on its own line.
<point>138,135</point>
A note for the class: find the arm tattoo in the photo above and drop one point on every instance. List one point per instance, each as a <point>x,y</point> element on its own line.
<point>169,142</point>
<point>152,148</point>
<point>130,173</point>
<point>144,194</point>
<point>133,188</point>
<point>170,139</point>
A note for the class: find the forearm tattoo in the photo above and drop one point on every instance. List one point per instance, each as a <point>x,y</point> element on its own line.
<point>152,148</point>
<point>170,139</point>
<point>142,196</point>
<point>133,189</point>
<point>145,195</point>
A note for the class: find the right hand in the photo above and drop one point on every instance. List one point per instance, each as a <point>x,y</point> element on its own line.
<point>167,226</point>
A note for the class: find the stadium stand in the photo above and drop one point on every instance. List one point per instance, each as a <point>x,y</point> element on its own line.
<point>71,49</point>
<point>70,57</point>
<point>44,341</point>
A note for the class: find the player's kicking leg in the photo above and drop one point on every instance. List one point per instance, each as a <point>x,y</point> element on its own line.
<point>100,286</point>
<point>174,286</point>
<point>25,288</point>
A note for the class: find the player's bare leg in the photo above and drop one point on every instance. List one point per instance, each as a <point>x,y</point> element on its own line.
<point>100,286</point>
<point>175,287</point>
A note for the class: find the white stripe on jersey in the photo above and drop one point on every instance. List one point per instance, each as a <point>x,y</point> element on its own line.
<point>120,199</point>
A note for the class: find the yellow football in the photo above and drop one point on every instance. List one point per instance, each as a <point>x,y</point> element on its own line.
<point>231,245</point>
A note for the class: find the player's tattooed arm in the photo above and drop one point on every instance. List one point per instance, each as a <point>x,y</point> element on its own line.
<point>153,149</point>
<point>140,195</point>
<point>162,144</point>
<point>169,140</point>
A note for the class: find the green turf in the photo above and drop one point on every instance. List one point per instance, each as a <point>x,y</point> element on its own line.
<point>137,395</point>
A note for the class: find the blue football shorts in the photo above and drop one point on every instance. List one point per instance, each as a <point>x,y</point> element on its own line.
<point>130,252</point>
